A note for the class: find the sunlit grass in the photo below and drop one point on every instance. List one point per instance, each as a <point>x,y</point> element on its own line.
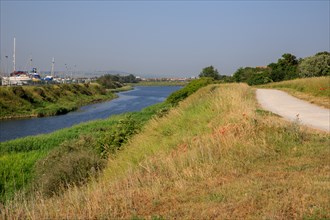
<point>215,156</point>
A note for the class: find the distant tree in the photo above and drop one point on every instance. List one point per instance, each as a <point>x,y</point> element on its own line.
<point>115,81</point>
<point>243,74</point>
<point>318,65</point>
<point>210,72</point>
<point>252,76</point>
<point>259,78</point>
<point>322,53</point>
<point>285,68</point>
<point>109,81</point>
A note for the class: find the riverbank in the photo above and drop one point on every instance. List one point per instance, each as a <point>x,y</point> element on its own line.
<point>160,83</point>
<point>122,89</point>
<point>48,100</point>
<point>235,161</point>
<point>19,157</point>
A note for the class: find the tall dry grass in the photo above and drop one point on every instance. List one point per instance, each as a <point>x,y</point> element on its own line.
<point>216,157</point>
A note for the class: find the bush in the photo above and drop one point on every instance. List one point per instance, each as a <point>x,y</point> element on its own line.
<point>118,135</point>
<point>318,65</point>
<point>259,78</point>
<point>74,162</point>
<point>192,87</point>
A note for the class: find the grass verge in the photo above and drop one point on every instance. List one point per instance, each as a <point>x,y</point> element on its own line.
<point>314,90</point>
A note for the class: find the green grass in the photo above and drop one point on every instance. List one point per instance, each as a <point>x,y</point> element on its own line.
<point>315,90</point>
<point>19,156</point>
<point>107,137</point>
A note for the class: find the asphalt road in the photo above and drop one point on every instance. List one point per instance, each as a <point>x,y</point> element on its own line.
<point>289,107</point>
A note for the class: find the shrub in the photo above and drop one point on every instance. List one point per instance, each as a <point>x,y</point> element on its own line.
<point>192,87</point>
<point>259,78</point>
<point>118,135</point>
<point>72,163</point>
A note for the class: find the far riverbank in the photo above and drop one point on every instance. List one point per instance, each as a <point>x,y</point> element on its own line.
<point>49,100</point>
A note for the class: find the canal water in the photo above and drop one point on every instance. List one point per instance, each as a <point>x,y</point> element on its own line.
<point>129,101</point>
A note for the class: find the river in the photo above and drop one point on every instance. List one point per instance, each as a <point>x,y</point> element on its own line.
<point>129,101</point>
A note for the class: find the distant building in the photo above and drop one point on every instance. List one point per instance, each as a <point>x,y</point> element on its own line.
<point>262,67</point>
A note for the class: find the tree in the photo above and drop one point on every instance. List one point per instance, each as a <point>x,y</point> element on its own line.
<point>285,68</point>
<point>259,78</point>
<point>243,74</point>
<point>210,72</point>
<point>252,76</point>
<point>318,65</point>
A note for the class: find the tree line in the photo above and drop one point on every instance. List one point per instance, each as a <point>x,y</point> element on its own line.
<point>286,68</point>
<point>116,81</point>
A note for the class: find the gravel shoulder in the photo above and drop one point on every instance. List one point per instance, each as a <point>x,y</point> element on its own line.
<point>289,107</point>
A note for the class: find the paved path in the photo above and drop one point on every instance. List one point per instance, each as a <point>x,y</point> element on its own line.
<point>289,107</point>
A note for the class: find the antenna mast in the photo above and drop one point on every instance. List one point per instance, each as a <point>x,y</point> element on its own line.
<point>14,56</point>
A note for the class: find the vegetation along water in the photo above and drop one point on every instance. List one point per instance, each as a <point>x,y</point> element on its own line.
<point>39,101</point>
<point>67,156</point>
<point>133,100</point>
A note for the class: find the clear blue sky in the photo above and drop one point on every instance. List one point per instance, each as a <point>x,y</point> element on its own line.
<point>162,38</point>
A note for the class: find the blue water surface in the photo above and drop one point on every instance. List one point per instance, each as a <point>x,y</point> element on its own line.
<point>129,101</point>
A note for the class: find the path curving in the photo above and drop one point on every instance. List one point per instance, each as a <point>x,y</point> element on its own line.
<point>289,107</point>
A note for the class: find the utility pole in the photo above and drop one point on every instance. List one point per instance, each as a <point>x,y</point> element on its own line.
<point>14,55</point>
<point>7,70</point>
<point>52,71</point>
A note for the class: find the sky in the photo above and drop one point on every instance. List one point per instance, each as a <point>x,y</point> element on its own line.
<point>160,38</point>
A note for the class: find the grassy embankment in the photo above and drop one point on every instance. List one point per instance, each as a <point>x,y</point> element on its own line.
<point>39,101</point>
<point>216,155</point>
<point>19,158</point>
<point>50,162</point>
<point>314,90</point>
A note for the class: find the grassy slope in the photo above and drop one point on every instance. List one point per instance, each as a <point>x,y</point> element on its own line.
<point>214,156</point>
<point>18,157</point>
<point>33,101</point>
<point>315,90</point>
